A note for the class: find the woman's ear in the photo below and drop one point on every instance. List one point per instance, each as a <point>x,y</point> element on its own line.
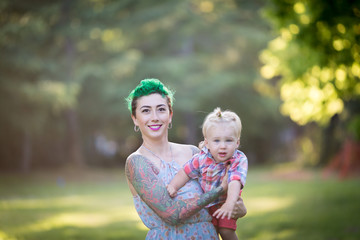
<point>134,120</point>
<point>171,115</point>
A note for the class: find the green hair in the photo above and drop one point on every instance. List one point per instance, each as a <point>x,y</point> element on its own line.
<point>147,87</point>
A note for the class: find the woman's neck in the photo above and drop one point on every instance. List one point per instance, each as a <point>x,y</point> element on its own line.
<point>157,146</point>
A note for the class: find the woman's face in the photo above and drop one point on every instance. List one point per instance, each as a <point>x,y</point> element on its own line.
<point>152,115</point>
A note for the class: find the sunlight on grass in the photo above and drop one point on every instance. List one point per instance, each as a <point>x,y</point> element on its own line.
<point>265,204</point>
<point>269,235</point>
<point>80,219</point>
<point>4,236</point>
<point>36,203</point>
<point>69,219</point>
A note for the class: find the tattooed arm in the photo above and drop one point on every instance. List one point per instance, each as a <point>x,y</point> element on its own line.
<point>142,175</point>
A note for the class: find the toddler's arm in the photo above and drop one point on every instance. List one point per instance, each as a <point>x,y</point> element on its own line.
<point>232,196</point>
<point>177,182</point>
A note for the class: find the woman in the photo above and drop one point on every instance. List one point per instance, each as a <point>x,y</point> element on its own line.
<point>151,167</point>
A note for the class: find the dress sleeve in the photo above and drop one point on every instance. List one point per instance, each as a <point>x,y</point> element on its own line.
<point>143,176</point>
<point>238,169</point>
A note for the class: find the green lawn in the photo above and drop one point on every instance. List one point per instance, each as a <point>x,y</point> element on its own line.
<point>97,205</point>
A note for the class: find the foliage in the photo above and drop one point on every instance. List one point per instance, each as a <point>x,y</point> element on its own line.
<point>68,65</point>
<point>98,205</point>
<point>317,57</point>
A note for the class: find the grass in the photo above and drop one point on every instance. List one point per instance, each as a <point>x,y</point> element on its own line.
<point>98,205</point>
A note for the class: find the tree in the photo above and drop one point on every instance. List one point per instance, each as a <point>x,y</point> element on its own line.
<point>315,60</point>
<point>68,65</point>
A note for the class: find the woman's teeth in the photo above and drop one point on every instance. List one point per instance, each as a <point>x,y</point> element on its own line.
<point>155,127</point>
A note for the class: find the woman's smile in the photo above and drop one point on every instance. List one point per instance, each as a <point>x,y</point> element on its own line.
<point>155,127</point>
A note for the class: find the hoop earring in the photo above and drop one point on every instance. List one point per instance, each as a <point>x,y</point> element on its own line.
<point>136,129</point>
<point>170,125</point>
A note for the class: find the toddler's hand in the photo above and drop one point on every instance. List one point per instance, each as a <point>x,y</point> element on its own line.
<point>225,211</point>
<point>171,190</point>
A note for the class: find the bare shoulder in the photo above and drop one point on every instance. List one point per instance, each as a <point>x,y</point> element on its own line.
<point>136,162</point>
<point>132,157</point>
<point>183,152</point>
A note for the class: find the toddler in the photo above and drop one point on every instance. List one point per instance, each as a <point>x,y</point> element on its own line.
<point>221,131</point>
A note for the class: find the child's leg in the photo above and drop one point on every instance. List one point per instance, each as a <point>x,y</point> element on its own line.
<point>227,234</point>
<point>227,229</point>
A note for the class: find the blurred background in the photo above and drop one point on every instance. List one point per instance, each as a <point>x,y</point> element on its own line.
<point>290,69</point>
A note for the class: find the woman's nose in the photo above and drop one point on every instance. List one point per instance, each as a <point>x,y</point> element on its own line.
<point>154,116</point>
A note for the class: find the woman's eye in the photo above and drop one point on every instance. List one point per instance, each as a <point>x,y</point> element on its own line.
<point>162,109</point>
<point>145,110</point>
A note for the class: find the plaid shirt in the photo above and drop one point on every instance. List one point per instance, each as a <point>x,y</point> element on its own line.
<point>211,173</point>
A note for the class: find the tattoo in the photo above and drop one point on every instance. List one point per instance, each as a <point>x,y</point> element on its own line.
<point>143,176</point>
<point>195,150</point>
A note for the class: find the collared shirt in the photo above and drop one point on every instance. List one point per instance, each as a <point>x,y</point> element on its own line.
<point>211,173</point>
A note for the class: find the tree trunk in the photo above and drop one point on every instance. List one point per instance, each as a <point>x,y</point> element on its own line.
<point>74,143</point>
<point>190,123</point>
<point>26,152</point>
<point>75,146</point>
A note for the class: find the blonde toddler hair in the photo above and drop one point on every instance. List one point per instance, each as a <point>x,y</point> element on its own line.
<point>218,116</point>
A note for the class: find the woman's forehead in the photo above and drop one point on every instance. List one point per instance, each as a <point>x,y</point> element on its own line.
<point>154,99</point>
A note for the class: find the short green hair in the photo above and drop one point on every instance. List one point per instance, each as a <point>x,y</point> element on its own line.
<point>147,87</point>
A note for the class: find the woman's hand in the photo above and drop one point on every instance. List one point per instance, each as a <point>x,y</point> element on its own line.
<point>224,182</point>
<point>239,209</point>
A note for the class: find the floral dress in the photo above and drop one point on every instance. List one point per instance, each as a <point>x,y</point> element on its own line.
<point>196,227</point>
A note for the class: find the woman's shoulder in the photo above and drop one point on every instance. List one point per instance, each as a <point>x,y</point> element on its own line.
<point>185,148</point>
<point>138,162</point>
<point>134,157</point>
<point>135,154</point>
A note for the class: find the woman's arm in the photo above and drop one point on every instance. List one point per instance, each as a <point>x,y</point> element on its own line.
<point>142,175</point>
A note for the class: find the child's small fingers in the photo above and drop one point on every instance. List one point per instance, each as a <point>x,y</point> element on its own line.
<point>216,213</point>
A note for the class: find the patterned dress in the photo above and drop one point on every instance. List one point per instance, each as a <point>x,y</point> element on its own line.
<point>196,227</point>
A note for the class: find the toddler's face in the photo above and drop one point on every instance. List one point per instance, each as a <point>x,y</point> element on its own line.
<point>221,140</point>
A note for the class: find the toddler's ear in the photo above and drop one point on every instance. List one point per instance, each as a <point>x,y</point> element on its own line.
<point>206,143</point>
